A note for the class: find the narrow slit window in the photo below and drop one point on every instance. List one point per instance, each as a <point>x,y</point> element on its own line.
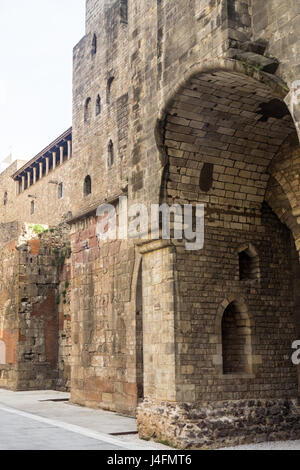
<point>87,110</point>
<point>109,89</point>
<point>124,11</point>
<point>60,191</point>
<point>98,105</point>
<point>94,45</point>
<point>111,156</point>
<point>87,186</point>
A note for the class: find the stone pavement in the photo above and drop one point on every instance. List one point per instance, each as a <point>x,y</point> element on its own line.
<point>33,421</point>
<point>286,445</point>
<point>45,420</point>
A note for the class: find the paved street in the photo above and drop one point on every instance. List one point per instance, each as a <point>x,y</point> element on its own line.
<point>45,421</point>
<point>22,433</point>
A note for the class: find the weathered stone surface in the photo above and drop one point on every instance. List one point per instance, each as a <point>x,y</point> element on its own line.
<point>216,425</point>
<point>173,102</point>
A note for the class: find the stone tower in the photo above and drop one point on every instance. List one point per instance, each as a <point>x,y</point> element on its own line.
<point>188,102</point>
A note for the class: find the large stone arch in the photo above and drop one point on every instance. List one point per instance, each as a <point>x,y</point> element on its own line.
<point>277,87</point>
<point>217,134</point>
<point>266,94</point>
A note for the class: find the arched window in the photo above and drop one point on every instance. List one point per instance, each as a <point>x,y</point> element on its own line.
<point>87,186</point>
<point>108,89</point>
<point>32,207</point>
<point>98,105</point>
<point>236,340</point>
<point>248,263</point>
<point>124,11</point>
<point>111,157</point>
<point>5,198</point>
<point>94,45</point>
<point>87,109</point>
<point>2,352</point>
<point>207,177</point>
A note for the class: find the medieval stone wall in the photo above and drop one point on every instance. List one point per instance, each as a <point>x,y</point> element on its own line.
<point>103,322</point>
<point>177,102</point>
<point>101,133</point>
<point>9,328</point>
<point>37,339</point>
<point>49,209</point>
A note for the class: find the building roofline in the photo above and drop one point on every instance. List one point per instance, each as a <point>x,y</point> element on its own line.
<point>43,152</point>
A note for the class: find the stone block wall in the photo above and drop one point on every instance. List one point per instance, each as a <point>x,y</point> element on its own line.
<point>101,131</point>
<point>49,208</point>
<point>103,321</point>
<point>181,102</point>
<point>9,328</point>
<point>36,339</point>
<point>219,424</point>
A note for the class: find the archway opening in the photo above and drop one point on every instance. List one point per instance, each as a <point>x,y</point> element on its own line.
<point>236,341</point>
<point>218,136</point>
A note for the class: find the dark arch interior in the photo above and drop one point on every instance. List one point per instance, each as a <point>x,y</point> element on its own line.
<point>236,341</point>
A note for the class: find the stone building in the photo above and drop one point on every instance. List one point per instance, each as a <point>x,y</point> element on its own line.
<point>177,102</point>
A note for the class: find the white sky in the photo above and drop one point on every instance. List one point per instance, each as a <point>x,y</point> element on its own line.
<point>36,42</point>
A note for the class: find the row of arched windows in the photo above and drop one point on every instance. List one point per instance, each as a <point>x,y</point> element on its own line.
<point>98,102</point>
<point>87,108</point>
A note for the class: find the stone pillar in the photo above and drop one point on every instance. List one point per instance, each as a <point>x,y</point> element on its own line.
<point>17,187</point>
<point>34,175</point>
<point>47,166</point>
<point>69,149</point>
<point>28,179</point>
<point>159,322</point>
<point>54,160</point>
<point>23,184</point>
<point>41,170</point>
<point>61,151</point>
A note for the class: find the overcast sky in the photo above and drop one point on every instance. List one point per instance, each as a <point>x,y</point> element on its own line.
<point>36,42</point>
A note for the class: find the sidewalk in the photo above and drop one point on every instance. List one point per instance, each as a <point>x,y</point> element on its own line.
<point>54,423</point>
